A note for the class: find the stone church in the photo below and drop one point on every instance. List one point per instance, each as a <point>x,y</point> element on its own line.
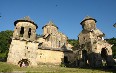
<point>93,48</point>
<point>52,47</point>
<point>29,50</point>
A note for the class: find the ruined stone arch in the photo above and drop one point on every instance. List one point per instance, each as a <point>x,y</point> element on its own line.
<point>104,53</point>
<point>24,63</point>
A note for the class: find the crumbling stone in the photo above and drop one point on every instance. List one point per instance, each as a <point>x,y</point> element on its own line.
<point>91,40</point>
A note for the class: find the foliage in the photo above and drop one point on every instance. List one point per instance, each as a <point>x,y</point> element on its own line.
<point>73,42</point>
<point>113,42</point>
<point>5,39</point>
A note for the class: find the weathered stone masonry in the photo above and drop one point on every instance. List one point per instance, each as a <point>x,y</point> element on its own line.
<point>94,49</point>
<point>52,46</point>
<point>29,50</point>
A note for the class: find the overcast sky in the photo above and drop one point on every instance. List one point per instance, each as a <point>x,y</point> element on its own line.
<point>66,14</point>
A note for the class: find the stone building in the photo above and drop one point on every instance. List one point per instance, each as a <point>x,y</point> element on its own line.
<point>52,38</point>
<point>93,48</point>
<point>27,49</point>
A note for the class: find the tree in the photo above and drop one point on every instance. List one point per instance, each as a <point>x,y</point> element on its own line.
<point>74,43</point>
<point>5,40</point>
<point>113,42</point>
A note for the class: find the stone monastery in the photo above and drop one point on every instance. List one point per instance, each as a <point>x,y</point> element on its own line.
<point>52,47</point>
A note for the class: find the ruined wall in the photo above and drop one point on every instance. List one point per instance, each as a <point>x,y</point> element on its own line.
<point>49,57</point>
<point>91,41</point>
<point>22,50</point>
<point>71,56</point>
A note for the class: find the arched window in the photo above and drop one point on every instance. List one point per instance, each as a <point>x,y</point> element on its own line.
<point>29,32</point>
<point>21,31</point>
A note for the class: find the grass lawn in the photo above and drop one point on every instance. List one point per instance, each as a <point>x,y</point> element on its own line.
<point>4,67</point>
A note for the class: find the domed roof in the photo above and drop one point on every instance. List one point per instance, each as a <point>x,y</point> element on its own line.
<point>25,19</point>
<point>87,18</point>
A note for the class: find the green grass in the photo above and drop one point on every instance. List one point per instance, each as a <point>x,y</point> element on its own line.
<point>5,67</point>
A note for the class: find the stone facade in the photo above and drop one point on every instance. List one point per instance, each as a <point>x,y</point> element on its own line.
<point>28,50</point>
<point>25,29</point>
<point>53,39</point>
<point>49,57</point>
<point>51,47</point>
<point>94,48</point>
<point>20,50</point>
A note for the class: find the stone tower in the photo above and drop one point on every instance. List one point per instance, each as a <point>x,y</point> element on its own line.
<point>94,48</point>
<point>25,29</point>
<point>23,46</point>
<point>88,23</point>
<point>53,37</point>
<point>50,28</point>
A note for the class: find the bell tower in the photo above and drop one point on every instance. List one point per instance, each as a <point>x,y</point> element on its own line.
<point>88,23</point>
<point>24,45</point>
<point>25,29</point>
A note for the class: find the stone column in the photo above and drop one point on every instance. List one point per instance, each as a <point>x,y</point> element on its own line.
<point>33,35</point>
<point>25,35</point>
<point>16,33</point>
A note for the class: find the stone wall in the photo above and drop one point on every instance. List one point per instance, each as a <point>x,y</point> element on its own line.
<point>49,57</point>
<point>71,56</point>
<point>22,50</point>
<point>91,40</point>
<point>53,38</point>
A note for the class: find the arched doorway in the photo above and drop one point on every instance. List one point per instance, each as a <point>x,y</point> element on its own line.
<point>104,57</point>
<point>23,63</point>
<point>66,60</point>
<point>84,56</point>
<point>104,54</point>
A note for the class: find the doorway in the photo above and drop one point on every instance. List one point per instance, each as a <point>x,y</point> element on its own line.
<point>104,54</point>
<point>23,63</point>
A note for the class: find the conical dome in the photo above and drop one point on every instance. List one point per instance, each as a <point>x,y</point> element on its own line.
<point>25,19</point>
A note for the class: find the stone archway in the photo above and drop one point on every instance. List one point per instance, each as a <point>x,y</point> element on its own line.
<point>107,57</point>
<point>104,54</point>
<point>84,56</point>
<point>66,60</point>
<point>24,63</point>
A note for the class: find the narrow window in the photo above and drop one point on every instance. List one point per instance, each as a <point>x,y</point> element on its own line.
<point>21,31</point>
<point>59,43</point>
<point>29,32</point>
